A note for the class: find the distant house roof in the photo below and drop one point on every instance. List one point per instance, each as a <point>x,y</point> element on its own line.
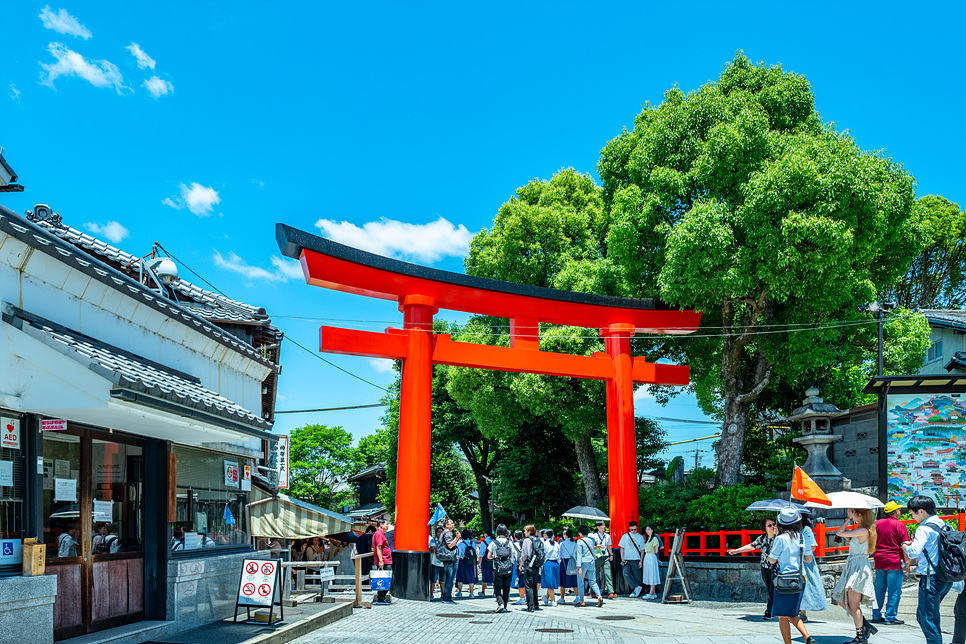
<point>132,375</point>
<point>948,319</point>
<point>372,509</point>
<point>42,238</point>
<point>374,470</point>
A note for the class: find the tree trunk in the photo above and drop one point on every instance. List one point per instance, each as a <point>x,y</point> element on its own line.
<point>483,490</point>
<point>587,461</point>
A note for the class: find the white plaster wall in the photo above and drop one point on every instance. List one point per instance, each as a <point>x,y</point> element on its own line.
<point>44,286</point>
<point>952,342</point>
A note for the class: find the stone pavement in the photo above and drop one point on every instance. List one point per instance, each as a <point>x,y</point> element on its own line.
<point>638,622</point>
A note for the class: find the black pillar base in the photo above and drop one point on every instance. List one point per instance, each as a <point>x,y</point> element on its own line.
<point>410,575</point>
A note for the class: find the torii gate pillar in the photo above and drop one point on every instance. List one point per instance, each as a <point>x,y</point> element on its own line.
<point>621,435</point>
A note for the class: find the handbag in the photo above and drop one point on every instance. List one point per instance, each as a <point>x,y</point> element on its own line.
<point>791,583</point>
<point>380,579</point>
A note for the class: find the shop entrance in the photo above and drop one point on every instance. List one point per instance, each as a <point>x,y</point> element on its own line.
<point>93,491</point>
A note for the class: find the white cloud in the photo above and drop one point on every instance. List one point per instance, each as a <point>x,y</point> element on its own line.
<point>113,231</point>
<point>197,198</point>
<point>14,92</point>
<point>99,73</point>
<point>642,394</point>
<point>284,269</point>
<point>423,242</point>
<point>64,23</point>
<point>158,87</point>
<point>381,365</point>
<point>144,61</point>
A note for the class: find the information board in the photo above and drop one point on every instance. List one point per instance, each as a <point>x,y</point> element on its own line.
<point>258,580</point>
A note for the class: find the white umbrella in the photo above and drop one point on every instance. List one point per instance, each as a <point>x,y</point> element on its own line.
<point>845,500</point>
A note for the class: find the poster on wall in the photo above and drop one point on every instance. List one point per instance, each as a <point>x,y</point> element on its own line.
<point>10,433</point>
<point>231,474</point>
<point>6,473</point>
<point>926,439</point>
<point>246,479</point>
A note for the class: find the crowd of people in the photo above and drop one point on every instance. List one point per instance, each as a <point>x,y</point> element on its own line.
<point>794,585</point>
<point>541,565</point>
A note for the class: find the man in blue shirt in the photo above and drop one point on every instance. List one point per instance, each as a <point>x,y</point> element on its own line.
<point>925,548</point>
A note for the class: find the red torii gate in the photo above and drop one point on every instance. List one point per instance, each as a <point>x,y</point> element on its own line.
<point>420,293</point>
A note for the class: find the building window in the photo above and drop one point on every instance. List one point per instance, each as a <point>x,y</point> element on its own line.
<point>12,483</point>
<point>212,496</point>
<point>935,351</point>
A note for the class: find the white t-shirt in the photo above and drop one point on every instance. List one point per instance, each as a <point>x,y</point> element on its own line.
<point>551,549</point>
<point>602,540</point>
<point>632,546</point>
<point>433,561</point>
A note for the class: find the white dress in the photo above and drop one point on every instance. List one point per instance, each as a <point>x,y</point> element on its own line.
<point>857,575</point>
<point>651,570</point>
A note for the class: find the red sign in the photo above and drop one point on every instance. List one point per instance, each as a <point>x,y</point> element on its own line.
<point>258,583</point>
<point>10,433</point>
<point>251,568</point>
<point>248,589</point>
<point>264,590</point>
<point>53,425</point>
<point>268,569</point>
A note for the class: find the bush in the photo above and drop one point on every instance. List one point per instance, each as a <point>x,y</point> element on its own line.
<point>693,504</point>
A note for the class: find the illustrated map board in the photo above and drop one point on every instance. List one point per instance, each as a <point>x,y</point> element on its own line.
<point>926,439</point>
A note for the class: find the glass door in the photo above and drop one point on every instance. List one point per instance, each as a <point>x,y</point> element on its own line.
<point>93,528</point>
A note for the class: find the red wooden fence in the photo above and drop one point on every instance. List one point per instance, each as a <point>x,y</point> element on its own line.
<point>716,544</point>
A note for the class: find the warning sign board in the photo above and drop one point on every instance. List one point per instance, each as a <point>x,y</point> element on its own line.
<point>258,581</point>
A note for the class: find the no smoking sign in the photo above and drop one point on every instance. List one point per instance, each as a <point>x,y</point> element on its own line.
<point>248,589</point>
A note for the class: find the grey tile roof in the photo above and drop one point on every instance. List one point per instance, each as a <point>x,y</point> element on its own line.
<point>128,372</point>
<point>212,306</point>
<point>41,238</point>
<point>945,318</point>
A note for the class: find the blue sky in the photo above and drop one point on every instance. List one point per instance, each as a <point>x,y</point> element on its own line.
<point>201,125</point>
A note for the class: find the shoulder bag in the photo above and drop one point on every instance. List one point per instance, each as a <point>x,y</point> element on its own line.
<point>791,583</point>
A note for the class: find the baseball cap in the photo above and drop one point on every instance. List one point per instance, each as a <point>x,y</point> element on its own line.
<point>891,507</point>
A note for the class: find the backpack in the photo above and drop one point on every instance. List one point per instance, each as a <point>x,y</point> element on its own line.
<point>951,564</point>
<point>469,555</point>
<point>504,557</point>
<point>103,546</point>
<point>539,553</point>
<point>444,554</point>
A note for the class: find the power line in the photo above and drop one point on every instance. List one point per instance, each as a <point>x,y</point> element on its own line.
<point>332,364</point>
<point>692,440</point>
<point>190,270</point>
<point>684,420</point>
<point>308,411</point>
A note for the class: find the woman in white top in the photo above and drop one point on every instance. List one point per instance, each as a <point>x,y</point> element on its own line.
<point>789,551</point>
<point>551,569</point>
<point>856,583</point>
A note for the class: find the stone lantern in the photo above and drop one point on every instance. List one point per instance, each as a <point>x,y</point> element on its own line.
<point>816,417</point>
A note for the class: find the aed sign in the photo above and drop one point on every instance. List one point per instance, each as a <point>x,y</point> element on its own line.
<point>257,585</point>
<point>10,433</point>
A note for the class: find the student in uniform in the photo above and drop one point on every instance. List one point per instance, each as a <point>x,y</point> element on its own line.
<point>550,579</point>
<point>466,570</point>
<point>568,550</point>
<point>486,565</point>
<point>517,581</point>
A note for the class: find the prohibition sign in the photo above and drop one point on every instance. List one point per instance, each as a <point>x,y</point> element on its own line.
<point>264,590</point>
<point>267,569</point>
<point>248,589</point>
<point>251,568</point>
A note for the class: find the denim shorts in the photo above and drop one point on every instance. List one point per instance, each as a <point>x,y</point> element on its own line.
<point>435,574</point>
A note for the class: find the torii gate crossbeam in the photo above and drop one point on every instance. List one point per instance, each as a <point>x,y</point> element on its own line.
<point>420,293</point>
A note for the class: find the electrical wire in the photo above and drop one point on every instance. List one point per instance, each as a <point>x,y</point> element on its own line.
<point>312,411</point>
<point>190,270</point>
<point>332,364</point>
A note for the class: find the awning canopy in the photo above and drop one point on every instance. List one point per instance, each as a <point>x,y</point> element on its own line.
<point>283,517</point>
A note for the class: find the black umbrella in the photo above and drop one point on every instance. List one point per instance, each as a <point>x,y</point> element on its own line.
<point>586,512</point>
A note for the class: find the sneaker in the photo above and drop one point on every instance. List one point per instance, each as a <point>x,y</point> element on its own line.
<point>553,604</point>
<point>636,592</point>
<point>481,594</point>
<point>459,593</point>
<point>802,616</point>
<point>892,622</point>
<point>767,617</point>
<point>810,640</point>
<point>520,602</point>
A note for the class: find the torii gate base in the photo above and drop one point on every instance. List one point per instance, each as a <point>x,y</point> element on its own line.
<point>421,292</point>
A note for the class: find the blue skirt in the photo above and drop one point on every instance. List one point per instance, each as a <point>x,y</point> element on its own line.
<point>486,570</point>
<point>566,581</point>
<point>517,580</point>
<point>786,605</point>
<point>466,572</point>
<point>551,575</point>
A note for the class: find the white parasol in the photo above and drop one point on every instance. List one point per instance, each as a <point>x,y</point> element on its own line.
<point>845,500</point>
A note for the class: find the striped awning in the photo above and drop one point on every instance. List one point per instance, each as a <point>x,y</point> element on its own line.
<point>283,517</point>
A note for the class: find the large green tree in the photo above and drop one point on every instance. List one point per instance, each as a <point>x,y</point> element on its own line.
<point>320,457</point>
<point>936,279</point>
<point>737,200</point>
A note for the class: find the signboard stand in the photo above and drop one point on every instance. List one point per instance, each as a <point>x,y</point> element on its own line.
<point>259,586</point>
<point>676,572</point>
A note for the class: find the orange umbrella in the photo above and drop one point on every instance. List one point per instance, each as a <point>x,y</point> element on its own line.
<point>805,489</point>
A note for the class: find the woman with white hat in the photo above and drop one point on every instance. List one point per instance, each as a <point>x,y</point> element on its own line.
<point>790,553</point>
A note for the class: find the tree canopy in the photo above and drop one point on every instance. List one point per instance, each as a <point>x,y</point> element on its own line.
<point>319,458</point>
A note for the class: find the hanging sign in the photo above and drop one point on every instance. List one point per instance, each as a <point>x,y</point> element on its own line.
<point>258,580</point>
<point>246,479</point>
<point>231,474</point>
<point>53,425</point>
<point>281,459</point>
<point>10,433</point>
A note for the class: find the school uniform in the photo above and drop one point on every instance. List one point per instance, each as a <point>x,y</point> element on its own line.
<point>568,549</point>
<point>486,565</point>
<point>551,568</point>
<point>466,570</point>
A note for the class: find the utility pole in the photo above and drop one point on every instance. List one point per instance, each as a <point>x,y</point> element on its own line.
<point>697,456</point>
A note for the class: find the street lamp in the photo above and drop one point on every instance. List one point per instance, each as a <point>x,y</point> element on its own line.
<point>878,309</point>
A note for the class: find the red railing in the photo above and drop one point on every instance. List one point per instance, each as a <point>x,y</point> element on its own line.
<point>717,543</point>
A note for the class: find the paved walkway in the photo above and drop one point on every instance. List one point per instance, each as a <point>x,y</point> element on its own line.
<point>635,622</point>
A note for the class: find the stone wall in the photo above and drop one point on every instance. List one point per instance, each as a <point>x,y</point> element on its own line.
<point>857,454</point>
<point>27,609</point>
<point>204,590</point>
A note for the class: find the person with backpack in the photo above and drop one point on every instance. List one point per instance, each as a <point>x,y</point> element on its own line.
<point>531,553</point>
<point>100,544</point>
<point>466,570</point>
<point>517,581</point>
<point>486,566</point>
<point>586,560</point>
<point>856,585</point>
<point>550,576</point>
<point>502,557</point>
<point>447,552</point>
<point>925,547</point>
<point>891,564</point>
